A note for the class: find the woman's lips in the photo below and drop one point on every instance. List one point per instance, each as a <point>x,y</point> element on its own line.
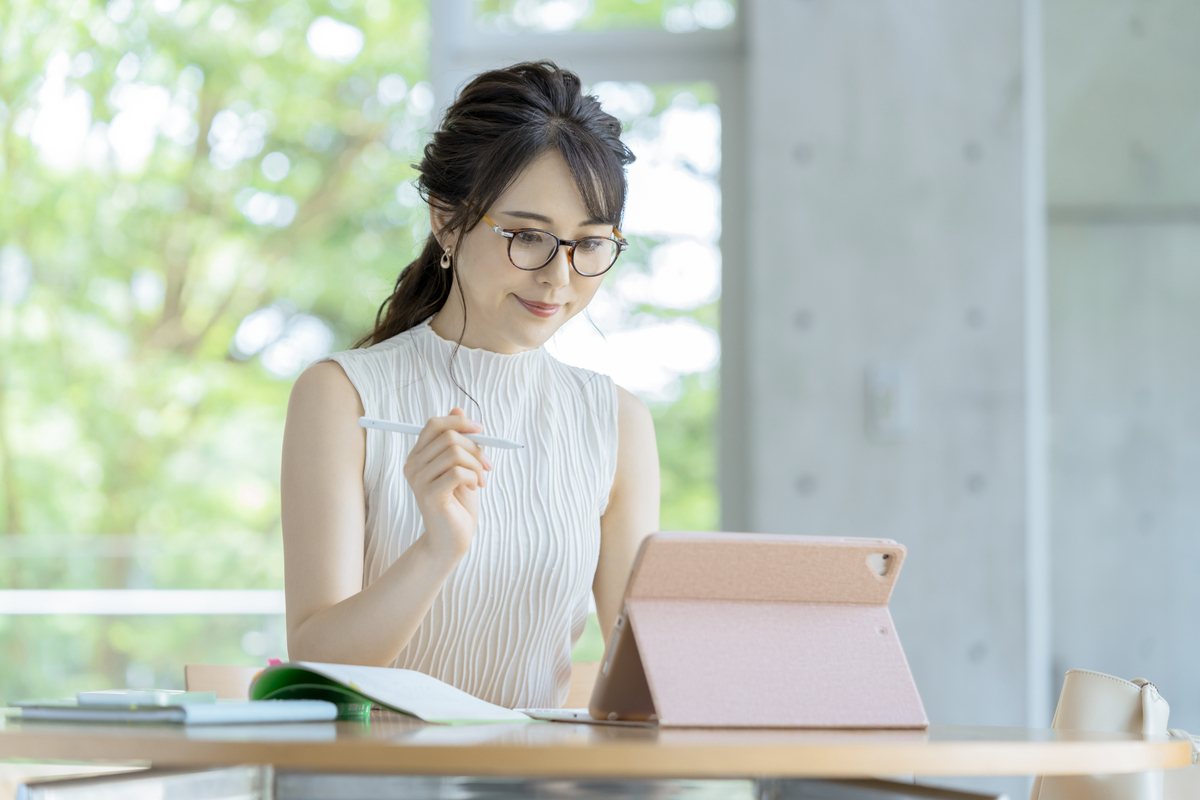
<point>544,310</point>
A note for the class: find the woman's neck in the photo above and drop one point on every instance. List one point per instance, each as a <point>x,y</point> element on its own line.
<point>448,324</point>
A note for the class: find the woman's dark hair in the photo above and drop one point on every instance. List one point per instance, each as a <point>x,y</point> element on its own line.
<point>502,121</point>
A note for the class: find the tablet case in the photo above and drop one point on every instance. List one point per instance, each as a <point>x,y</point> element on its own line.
<point>759,630</point>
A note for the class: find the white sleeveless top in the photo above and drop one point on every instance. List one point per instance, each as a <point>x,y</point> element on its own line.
<point>503,625</point>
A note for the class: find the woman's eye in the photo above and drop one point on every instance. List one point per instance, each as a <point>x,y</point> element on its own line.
<point>529,237</point>
<point>590,245</point>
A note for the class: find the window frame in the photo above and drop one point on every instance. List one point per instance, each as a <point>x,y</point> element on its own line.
<point>141,602</point>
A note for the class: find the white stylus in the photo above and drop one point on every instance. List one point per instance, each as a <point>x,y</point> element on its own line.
<point>404,427</point>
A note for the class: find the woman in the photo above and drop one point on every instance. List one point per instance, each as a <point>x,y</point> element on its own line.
<point>433,553</point>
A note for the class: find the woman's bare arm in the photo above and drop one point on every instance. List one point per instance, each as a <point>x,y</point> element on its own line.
<point>632,511</point>
<point>330,617</point>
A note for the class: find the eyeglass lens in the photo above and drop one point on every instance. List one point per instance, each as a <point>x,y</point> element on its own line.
<point>532,249</point>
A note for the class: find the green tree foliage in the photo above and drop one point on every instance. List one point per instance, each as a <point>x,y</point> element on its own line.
<point>139,418</point>
<point>123,410</point>
<point>687,456</point>
<point>223,172</point>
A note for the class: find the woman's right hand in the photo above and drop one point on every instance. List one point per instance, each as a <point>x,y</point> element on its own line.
<point>445,470</point>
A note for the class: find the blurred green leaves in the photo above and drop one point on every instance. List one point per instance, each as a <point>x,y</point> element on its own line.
<point>687,455</point>
<point>219,167</point>
<point>196,199</point>
<point>166,169</point>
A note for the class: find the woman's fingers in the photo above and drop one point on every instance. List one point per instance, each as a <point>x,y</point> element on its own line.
<point>418,460</point>
<point>455,477</point>
<point>449,460</point>
<point>444,469</point>
<point>477,428</point>
<point>442,432</point>
<point>436,426</point>
<point>474,447</point>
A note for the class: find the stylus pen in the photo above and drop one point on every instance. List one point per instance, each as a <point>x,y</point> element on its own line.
<point>404,427</point>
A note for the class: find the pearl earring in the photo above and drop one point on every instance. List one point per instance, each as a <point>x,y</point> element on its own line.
<point>445,259</point>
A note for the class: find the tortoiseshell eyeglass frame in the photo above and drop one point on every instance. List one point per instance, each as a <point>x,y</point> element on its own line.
<point>511,234</point>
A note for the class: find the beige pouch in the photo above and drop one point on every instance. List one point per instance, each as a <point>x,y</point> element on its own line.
<point>1093,701</point>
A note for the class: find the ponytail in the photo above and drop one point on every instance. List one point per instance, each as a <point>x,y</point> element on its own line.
<point>421,291</point>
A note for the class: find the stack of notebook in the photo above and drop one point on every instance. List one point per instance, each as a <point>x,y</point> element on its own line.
<point>158,705</point>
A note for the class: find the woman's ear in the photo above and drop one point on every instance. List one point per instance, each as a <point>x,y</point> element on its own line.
<point>438,220</point>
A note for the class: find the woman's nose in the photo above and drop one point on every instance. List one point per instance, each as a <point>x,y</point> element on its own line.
<point>558,272</point>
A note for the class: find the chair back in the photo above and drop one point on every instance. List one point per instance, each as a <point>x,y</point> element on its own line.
<point>583,679</point>
<point>229,681</point>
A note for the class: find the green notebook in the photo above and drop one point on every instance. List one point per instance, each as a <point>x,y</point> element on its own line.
<point>354,689</point>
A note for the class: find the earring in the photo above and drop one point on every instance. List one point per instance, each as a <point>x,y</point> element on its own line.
<point>445,259</point>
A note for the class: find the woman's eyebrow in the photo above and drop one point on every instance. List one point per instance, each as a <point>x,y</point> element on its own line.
<point>546,220</point>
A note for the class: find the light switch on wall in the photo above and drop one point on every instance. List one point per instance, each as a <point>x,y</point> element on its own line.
<point>888,403</point>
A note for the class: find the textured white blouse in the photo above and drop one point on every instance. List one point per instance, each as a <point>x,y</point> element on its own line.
<point>503,625</point>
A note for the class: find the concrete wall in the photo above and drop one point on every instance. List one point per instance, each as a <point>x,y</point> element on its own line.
<point>1123,154</point>
<point>888,316</point>
<point>892,323</point>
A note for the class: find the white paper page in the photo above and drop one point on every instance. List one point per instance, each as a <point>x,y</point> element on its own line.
<point>414,692</point>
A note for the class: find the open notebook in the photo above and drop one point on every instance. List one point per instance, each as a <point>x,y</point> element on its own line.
<point>355,688</point>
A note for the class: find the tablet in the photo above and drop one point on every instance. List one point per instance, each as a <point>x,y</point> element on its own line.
<point>759,630</point>
<point>580,715</point>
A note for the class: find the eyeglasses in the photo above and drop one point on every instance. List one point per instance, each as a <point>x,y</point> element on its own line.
<point>531,248</point>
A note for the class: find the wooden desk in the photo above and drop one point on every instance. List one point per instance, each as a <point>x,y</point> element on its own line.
<point>394,744</point>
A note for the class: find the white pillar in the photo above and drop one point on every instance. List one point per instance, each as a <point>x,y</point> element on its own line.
<point>1123,142</point>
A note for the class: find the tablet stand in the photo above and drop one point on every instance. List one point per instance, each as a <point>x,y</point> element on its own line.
<point>755,630</point>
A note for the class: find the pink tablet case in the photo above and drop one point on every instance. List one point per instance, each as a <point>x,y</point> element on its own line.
<point>758,630</point>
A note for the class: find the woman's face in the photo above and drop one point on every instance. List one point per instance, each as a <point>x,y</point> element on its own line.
<point>508,309</point>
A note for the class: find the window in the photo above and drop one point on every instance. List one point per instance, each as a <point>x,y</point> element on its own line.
<point>653,325</point>
<point>200,199</point>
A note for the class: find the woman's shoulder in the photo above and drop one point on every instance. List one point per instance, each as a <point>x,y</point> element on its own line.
<point>633,415</point>
<point>325,384</point>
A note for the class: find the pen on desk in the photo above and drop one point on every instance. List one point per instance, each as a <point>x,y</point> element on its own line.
<point>404,427</point>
